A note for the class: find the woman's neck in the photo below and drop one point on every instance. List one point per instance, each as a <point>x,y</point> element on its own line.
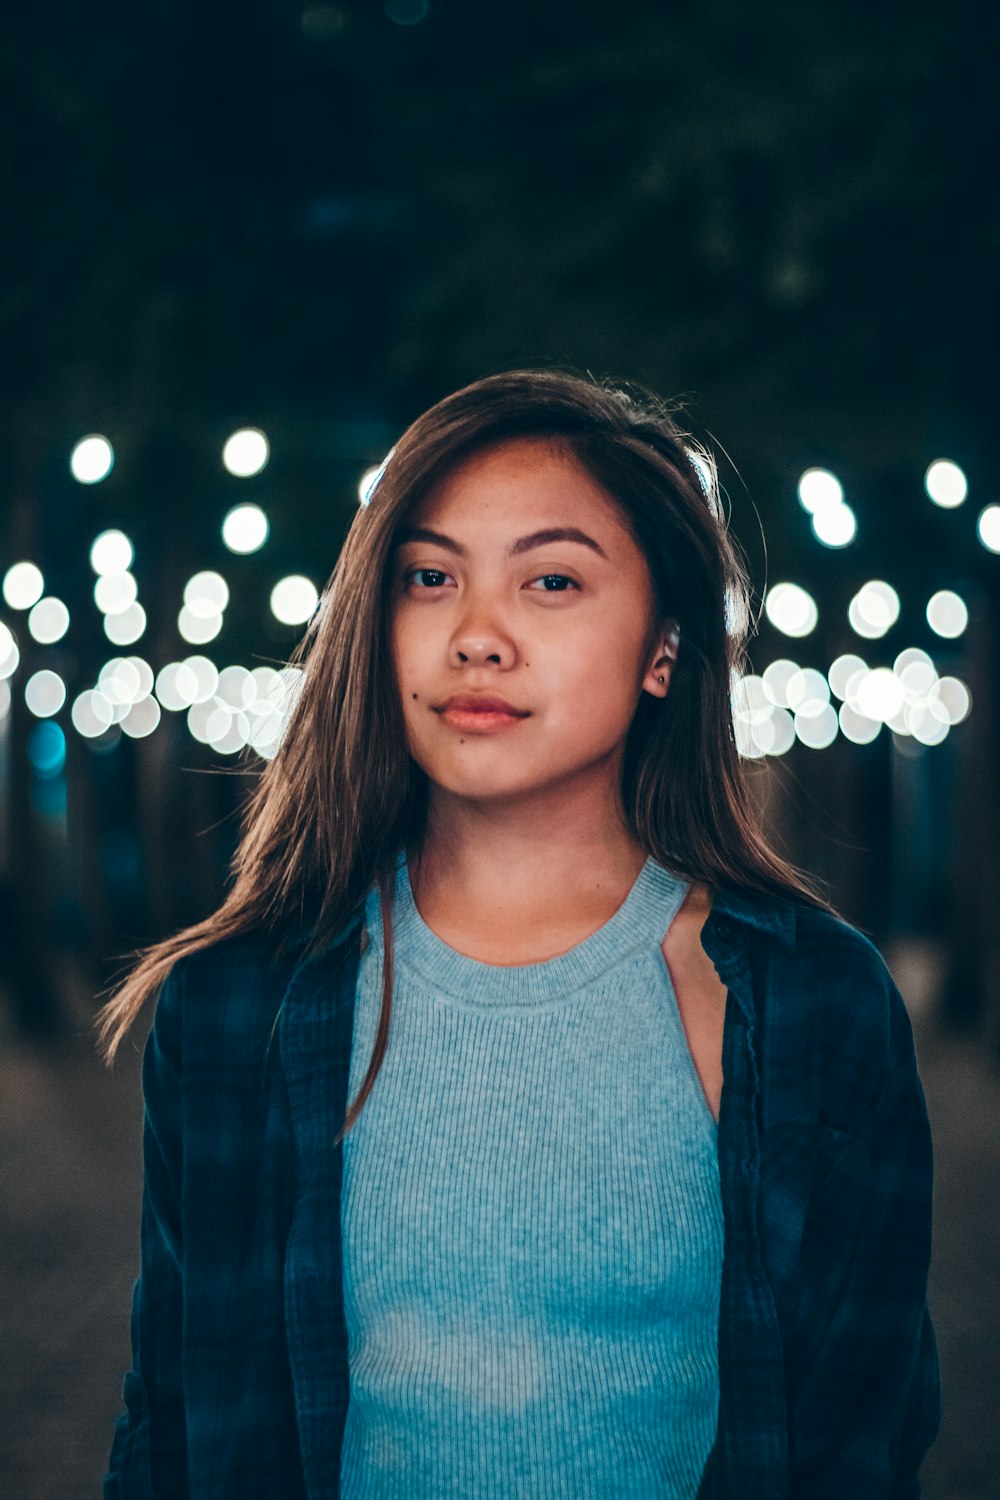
<point>537,884</point>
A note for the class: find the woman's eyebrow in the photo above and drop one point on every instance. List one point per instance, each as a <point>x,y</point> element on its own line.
<point>523,543</point>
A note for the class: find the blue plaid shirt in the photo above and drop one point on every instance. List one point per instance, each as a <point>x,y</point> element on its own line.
<point>828,1361</point>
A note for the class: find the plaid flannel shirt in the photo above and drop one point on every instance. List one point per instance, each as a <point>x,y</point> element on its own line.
<point>828,1361</point>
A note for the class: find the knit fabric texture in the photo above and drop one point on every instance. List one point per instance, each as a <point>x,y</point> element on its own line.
<point>532,1221</point>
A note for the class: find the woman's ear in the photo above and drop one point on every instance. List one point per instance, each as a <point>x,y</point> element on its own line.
<point>658,677</point>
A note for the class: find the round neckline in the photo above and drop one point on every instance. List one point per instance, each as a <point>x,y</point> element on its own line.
<point>639,924</point>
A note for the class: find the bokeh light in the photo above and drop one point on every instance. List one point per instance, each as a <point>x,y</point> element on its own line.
<point>236,687</point>
<point>945,483</point>
<point>44,693</point>
<point>111,552</point>
<point>206,676</point>
<point>791,609</point>
<point>842,671</point>
<point>789,703</point>
<point>874,609</point>
<point>91,713</point>
<point>776,678</point>
<point>126,626</point>
<point>206,594</point>
<point>926,727</point>
<point>750,700</point>
<point>912,656</point>
<point>856,726</point>
<point>782,732</point>
<point>879,694</point>
<point>245,528</point>
<point>145,674</point>
<point>759,725</point>
<point>176,686</point>
<point>48,621</point>
<point>115,592</point>
<point>988,527</point>
<point>246,452</point>
<point>834,525</point>
<point>951,700</point>
<point>126,681</point>
<point>294,599</point>
<point>213,722</point>
<point>92,459</point>
<point>142,718</point>
<point>817,730</point>
<point>10,655</point>
<point>198,630</point>
<point>23,585</point>
<point>274,705</point>
<point>947,614</point>
<point>822,495</point>
<point>819,490</point>
<point>47,749</point>
<point>807,693</point>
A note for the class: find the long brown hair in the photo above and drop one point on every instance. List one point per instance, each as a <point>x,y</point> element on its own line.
<point>329,812</point>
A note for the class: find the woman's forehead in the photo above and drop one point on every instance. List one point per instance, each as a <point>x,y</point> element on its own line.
<point>518,477</point>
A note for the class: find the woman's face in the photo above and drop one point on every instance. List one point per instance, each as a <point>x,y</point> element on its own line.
<point>562,628</point>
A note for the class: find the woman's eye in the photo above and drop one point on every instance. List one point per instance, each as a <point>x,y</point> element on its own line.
<point>558,579</point>
<point>433,577</point>
<point>434,572</point>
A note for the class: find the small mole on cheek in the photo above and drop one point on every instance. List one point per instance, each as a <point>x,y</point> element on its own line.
<point>416,695</point>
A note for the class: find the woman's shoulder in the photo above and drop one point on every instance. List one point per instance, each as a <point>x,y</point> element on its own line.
<point>253,956</point>
<point>228,994</point>
<point>835,977</point>
<point>831,950</point>
<point>825,976</point>
<point>258,951</point>
<point>218,1005</point>
<point>810,936</point>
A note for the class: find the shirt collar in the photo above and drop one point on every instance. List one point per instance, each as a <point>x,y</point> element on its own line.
<point>768,913</point>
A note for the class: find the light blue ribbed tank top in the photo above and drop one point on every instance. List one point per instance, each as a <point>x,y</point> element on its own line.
<point>532,1222</point>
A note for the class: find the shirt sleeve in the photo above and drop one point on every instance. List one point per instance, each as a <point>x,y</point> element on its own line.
<point>864,1413</point>
<point>148,1455</point>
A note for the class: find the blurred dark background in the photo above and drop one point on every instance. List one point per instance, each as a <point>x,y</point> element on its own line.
<point>313,221</point>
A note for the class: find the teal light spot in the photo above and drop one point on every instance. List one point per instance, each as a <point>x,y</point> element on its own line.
<point>47,749</point>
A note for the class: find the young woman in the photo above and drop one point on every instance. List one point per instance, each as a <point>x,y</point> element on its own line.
<point>633,1196</point>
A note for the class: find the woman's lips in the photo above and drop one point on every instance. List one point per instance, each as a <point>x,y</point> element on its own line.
<point>479,720</point>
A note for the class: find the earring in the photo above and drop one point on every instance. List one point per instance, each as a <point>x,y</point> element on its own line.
<point>659,679</point>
